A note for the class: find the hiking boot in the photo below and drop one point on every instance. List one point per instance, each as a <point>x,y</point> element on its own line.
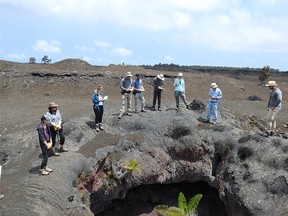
<point>53,153</point>
<point>43,172</point>
<point>265,134</point>
<point>101,127</point>
<point>48,169</point>
<point>1,196</point>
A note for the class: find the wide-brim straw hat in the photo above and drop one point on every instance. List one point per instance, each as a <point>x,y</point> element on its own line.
<point>180,74</point>
<point>128,74</point>
<point>271,83</point>
<point>161,76</point>
<point>99,87</point>
<point>214,85</point>
<point>52,104</point>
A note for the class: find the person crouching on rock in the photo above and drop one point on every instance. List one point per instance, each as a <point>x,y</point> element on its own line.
<point>158,84</point>
<point>215,95</point>
<point>45,144</point>
<point>56,126</point>
<point>126,92</point>
<point>98,107</point>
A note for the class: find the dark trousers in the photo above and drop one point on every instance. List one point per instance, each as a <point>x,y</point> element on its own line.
<point>157,95</point>
<point>98,114</point>
<point>44,156</point>
<point>53,135</point>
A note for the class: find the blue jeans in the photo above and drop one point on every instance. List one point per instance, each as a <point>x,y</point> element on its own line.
<point>183,97</point>
<point>139,96</point>
<point>212,110</point>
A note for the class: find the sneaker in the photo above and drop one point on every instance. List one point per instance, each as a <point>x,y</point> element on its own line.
<point>129,114</point>
<point>153,109</point>
<point>271,133</point>
<point>43,172</point>
<point>62,149</point>
<point>97,128</point>
<point>213,122</point>
<point>1,196</point>
<point>48,169</point>
<point>285,126</point>
<point>53,153</point>
<point>206,121</point>
<point>101,127</point>
<point>136,111</point>
<point>159,109</point>
<point>143,110</point>
<point>120,116</point>
<point>188,107</point>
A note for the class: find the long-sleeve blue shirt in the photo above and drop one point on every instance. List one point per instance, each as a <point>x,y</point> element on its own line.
<point>215,94</point>
<point>96,100</point>
<point>179,85</point>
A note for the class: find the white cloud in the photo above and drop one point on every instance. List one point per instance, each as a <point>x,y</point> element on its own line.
<point>122,52</point>
<point>16,56</point>
<point>102,44</point>
<point>47,47</point>
<point>168,58</point>
<point>84,48</point>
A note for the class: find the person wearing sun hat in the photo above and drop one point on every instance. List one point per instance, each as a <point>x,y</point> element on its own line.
<point>126,86</point>
<point>54,119</point>
<point>215,94</point>
<point>98,107</point>
<point>158,84</point>
<point>179,85</point>
<point>274,106</point>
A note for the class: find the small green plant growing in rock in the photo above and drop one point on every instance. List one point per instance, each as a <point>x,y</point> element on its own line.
<point>132,166</point>
<point>183,209</point>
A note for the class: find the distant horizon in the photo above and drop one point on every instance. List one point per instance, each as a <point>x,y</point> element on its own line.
<point>121,64</point>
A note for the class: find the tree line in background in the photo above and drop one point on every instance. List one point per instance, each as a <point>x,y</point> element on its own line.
<point>44,60</point>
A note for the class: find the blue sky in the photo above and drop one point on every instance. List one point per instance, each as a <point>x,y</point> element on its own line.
<point>237,33</point>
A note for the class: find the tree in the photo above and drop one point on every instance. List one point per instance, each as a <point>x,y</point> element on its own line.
<point>183,209</point>
<point>32,60</point>
<point>264,74</point>
<point>46,60</point>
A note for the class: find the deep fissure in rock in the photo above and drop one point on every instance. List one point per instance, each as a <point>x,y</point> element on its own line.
<point>142,199</point>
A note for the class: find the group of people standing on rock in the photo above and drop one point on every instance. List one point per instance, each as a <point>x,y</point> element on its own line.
<point>51,123</point>
<point>135,87</point>
<point>50,126</point>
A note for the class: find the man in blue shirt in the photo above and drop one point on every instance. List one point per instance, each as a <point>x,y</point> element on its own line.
<point>179,85</point>
<point>138,92</point>
<point>215,95</point>
<point>274,106</point>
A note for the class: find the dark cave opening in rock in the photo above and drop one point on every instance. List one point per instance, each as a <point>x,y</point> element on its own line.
<point>142,199</point>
